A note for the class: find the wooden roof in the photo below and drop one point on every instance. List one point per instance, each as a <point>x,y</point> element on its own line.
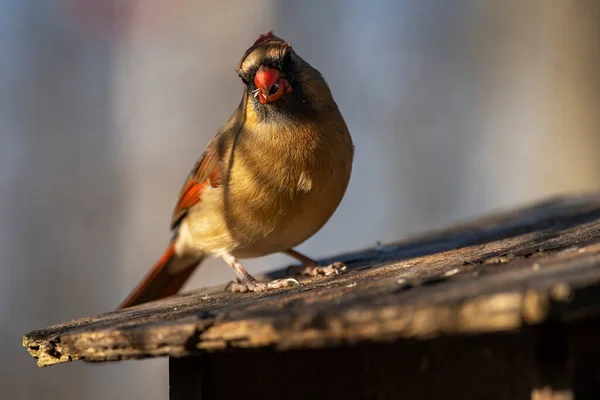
<point>497,273</point>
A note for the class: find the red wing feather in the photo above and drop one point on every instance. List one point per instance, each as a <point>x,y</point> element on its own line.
<point>190,195</point>
<point>205,172</point>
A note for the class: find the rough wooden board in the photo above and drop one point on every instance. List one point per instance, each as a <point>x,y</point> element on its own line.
<point>493,274</point>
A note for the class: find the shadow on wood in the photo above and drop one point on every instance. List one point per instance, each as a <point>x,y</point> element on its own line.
<point>412,369</point>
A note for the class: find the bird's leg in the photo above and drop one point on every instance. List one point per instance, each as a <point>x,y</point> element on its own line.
<point>246,282</point>
<point>311,267</point>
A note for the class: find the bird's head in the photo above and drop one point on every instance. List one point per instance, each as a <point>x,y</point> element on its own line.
<point>276,77</point>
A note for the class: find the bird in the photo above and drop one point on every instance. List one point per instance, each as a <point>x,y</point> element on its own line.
<point>270,178</point>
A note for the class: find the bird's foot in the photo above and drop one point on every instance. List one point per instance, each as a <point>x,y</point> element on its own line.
<point>246,282</point>
<point>316,269</point>
<point>252,285</point>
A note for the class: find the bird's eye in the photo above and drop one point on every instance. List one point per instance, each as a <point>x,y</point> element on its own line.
<point>288,58</point>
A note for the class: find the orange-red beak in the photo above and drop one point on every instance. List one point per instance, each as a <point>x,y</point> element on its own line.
<point>270,84</point>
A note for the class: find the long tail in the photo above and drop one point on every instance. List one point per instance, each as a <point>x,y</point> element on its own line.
<point>167,276</point>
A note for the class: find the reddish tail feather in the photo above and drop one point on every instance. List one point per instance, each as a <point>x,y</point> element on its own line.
<point>167,276</point>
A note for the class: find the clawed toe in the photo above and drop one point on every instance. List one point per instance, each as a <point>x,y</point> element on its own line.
<point>255,286</point>
<point>314,270</point>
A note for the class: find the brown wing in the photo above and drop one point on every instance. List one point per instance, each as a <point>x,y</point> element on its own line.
<point>205,173</point>
<point>207,170</point>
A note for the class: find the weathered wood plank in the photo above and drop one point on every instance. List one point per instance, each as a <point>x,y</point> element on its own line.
<point>496,274</point>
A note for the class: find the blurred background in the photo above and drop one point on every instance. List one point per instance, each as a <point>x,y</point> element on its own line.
<point>456,109</point>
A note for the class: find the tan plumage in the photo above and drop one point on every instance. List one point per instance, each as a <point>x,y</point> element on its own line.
<point>269,180</point>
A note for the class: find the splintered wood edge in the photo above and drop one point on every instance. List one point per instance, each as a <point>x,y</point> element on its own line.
<point>490,313</point>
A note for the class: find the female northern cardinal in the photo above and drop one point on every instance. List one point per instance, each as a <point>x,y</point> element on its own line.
<point>269,179</point>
